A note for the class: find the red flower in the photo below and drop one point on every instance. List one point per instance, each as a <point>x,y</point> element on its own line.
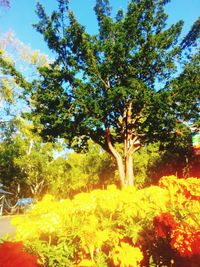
<point>12,254</point>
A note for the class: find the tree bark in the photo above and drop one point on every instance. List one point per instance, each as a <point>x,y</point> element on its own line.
<point>128,144</point>
<point>129,175</point>
<point>125,163</point>
<point>117,157</point>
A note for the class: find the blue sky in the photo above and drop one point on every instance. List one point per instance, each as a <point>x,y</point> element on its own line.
<point>20,17</point>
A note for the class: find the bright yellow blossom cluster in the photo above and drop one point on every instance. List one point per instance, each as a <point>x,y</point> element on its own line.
<point>103,227</point>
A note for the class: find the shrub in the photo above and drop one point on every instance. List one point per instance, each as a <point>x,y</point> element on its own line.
<point>111,227</point>
<point>176,234</point>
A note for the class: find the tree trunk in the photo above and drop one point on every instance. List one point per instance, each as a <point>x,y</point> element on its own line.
<point>121,170</point>
<point>129,175</point>
<point>125,167</point>
<point>125,163</point>
<point>117,157</point>
<point>129,143</point>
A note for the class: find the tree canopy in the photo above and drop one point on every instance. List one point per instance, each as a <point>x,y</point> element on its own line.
<point>106,86</point>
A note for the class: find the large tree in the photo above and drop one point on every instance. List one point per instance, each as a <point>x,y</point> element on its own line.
<point>108,87</point>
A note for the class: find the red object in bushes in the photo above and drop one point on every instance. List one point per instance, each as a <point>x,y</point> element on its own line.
<point>12,254</point>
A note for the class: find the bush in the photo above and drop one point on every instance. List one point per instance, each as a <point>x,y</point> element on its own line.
<point>106,227</point>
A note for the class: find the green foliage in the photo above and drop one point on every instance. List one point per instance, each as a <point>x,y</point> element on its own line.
<point>7,68</point>
<point>193,35</point>
<point>58,255</point>
<point>39,167</point>
<point>187,102</point>
<point>112,67</point>
<point>81,172</point>
<point>24,159</point>
<point>10,149</point>
<point>176,155</point>
<point>146,160</point>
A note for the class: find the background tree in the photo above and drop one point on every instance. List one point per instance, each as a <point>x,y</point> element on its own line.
<point>24,159</point>
<point>9,150</point>
<point>34,162</point>
<point>81,172</point>
<point>15,55</point>
<point>29,167</point>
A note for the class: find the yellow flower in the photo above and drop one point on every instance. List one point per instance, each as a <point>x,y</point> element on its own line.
<point>126,255</point>
<point>86,263</point>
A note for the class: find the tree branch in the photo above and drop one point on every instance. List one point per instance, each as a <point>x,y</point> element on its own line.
<point>110,146</point>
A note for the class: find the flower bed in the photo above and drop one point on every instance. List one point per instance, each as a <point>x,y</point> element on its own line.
<point>155,226</point>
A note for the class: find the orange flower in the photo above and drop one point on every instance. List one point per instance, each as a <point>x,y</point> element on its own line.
<point>186,240</point>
